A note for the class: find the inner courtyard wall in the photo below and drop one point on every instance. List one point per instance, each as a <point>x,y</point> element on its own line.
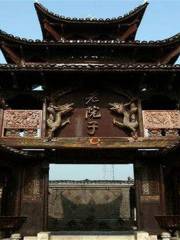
<point>90,205</point>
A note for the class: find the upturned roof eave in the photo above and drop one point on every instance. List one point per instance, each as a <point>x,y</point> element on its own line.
<point>166,45</point>
<point>55,17</point>
<point>44,14</point>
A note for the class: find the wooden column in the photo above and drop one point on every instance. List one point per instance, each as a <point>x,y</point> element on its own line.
<point>148,195</point>
<point>140,118</point>
<point>34,198</point>
<point>19,174</point>
<point>172,186</point>
<point>1,121</point>
<point>45,179</point>
<point>43,128</point>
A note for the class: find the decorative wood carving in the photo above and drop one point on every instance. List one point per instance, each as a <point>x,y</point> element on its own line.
<point>161,119</point>
<point>55,115</point>
<point>172,132</point>
<point>149,181</point>
<point>150,198</point>
<point>129,113</point>
<point>157,121</point>
<point>154,133</point>
<point>22,123</point>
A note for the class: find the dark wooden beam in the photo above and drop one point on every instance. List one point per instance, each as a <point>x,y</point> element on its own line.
<point>12,55</point>
<point>167,58</point>
<point>22,53</point>
<point>52,31</point>
<point>128,32</point>
<point>62,28</point>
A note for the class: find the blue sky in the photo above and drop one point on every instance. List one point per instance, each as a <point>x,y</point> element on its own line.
<point>161,20</point>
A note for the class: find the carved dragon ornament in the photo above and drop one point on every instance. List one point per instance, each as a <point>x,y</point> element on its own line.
<point>128,111</point>
<point>55,117</point>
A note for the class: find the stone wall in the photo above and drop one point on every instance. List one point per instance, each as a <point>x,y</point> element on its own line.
<point>90,205</point>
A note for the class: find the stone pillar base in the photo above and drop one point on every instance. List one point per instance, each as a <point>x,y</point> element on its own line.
<point>43,236</point>
<point>140,235</point>
<point>165,236</point>
<point>15,236</point>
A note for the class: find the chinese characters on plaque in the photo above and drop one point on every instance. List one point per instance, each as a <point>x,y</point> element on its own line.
<point>92,113</point>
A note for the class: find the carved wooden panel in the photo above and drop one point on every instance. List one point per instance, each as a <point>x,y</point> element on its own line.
<point>161,119</point>
<point>150,184</point>
<point>92,114</point>
<point>158,123</point>
<point>150,198</point>
<point>22,123</point>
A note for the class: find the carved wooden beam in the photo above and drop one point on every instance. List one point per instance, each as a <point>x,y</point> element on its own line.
<point>13,56</point>
<point>128,32</point>
<point>52,31</point>
<point>169,56</point>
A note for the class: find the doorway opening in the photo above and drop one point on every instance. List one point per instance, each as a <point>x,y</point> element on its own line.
<point>89,197</point>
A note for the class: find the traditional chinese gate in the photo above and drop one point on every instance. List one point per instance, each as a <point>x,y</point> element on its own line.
<point>93,77</point>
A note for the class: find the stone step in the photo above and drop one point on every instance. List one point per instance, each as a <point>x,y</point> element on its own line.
<point>93,233</point>
<point>92,236</point>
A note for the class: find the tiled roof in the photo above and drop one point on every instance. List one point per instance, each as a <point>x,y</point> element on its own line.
<point>173,39</point>
<point>89,20</point>
<point>14,151</point>
<point>87,181</point>
<point>89,67</point>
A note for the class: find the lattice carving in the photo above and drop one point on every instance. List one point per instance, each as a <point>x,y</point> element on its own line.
<point>145,183</point>
<point>161,119</point>
<point>22,123</point>
<point>150,184</point>
<point>161,123</point>
<point>154,132</point>
<point>145,188</point>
